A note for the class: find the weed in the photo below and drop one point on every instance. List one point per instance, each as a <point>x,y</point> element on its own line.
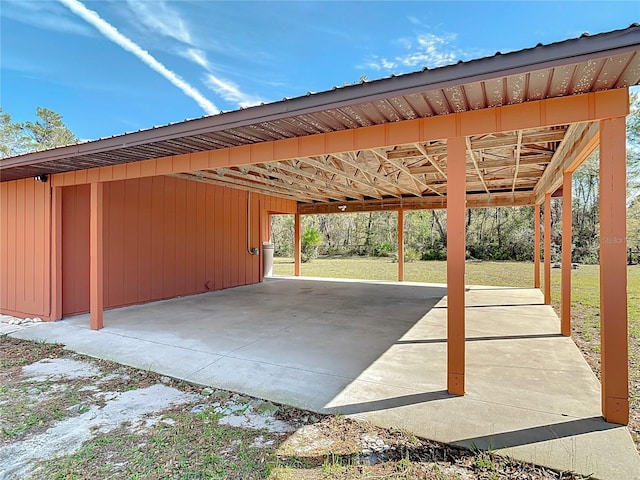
<point>404,464</point>
<point>485,461</point>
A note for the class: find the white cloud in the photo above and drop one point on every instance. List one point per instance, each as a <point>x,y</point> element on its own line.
<point>423,50</point>
<point>197,56</point>
<point>158,16</point>
<point>230,92</point>
<point>430,50</point>
<point>112,33</point>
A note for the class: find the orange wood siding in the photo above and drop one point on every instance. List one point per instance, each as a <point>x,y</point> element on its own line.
<point>75,249</point>
<point>163,237</point>
<point>25,248</point>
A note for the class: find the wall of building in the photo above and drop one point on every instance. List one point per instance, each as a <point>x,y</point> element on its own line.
<point>25,248</point>
<point>163,237</point>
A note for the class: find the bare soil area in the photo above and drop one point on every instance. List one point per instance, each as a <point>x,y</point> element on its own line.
<point>586,334</point>
<point>66,416</point>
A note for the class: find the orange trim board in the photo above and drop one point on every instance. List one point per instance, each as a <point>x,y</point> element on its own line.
<point>540,113</point>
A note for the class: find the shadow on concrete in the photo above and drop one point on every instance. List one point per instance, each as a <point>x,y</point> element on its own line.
<point>492,305</point>
<point>394,402</point>
<point>481,339</point>
<point>539,434</point>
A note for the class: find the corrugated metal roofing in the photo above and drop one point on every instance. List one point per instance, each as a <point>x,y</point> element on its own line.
<point>576,66</point>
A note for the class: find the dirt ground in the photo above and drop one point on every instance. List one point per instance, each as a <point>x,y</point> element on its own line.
<point>586,334</point>
<point>66,416</point>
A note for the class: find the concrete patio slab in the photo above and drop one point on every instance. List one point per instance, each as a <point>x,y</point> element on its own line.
<point>377,351</point>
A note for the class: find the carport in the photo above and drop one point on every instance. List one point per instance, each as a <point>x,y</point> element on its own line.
<point>178,210</point>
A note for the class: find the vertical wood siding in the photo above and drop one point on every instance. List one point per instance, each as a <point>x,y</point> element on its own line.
<point>164,237</point>
<point>75,249</point>
<point>24,248</point>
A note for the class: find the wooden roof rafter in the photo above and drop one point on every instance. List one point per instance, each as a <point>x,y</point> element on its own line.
<point>237,177</point>
<point>295,183</point>
<point>330,184</point>
<point>197,177</point>
<point>419,183</point>
<point>517,155</point>
<point>472,155</point>
<point>375,190</point>
<point>374,174</point>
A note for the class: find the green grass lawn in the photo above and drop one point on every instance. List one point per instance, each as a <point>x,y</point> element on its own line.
<point>585,296</point>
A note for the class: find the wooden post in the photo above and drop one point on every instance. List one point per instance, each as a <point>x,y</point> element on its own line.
<point>565,298</point>
<point>456,204</point>
<point>96,306</point>
<point>297,245</point>
<point>613,272</point>
<point>56,253</point>
<point>401,245</point>
<point>536,246</point>
<point>547,249</point>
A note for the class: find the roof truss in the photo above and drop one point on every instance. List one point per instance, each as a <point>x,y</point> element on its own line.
<point>500,166</point>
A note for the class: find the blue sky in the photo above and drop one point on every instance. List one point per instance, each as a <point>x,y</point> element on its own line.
<point>113,66</point>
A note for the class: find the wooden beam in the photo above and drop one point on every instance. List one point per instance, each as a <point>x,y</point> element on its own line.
<point>475,164</point>
<point>547,249</point>
<point>305,184</point>
<point>56,254</point>
<point>401,245</point>
<point>423,150</point>
<point>613,272</point>
<point>502,141</point>
<point>494,185</point>
<point>404,169</point>
<point>392,187</point>
<point>297,244</point>
<point>456,247</point>
<point>96,257</point>
<point>246,179</point>
<point>536,246</point>
<point>197,177</point>
<point>398,169</point>
<point>518,148</point>
<point>565,288</point>
<point>578,145</point>
<point>479,200</point>
<point>315,177</point>
<point>328,168</point>
<point>539,159</point>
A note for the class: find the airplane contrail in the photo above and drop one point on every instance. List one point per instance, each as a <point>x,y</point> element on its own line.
<point>112,33</point>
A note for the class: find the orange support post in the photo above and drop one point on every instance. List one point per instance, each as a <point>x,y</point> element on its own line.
<point>613,272</point>
<point>456,204</point>
<point>96,304</point>
<point>297,245</point>
<point>400,245</point>
<point>547,249</point>
<point>565,295</point>
<point>56,253</point>
<point>536,246</point>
